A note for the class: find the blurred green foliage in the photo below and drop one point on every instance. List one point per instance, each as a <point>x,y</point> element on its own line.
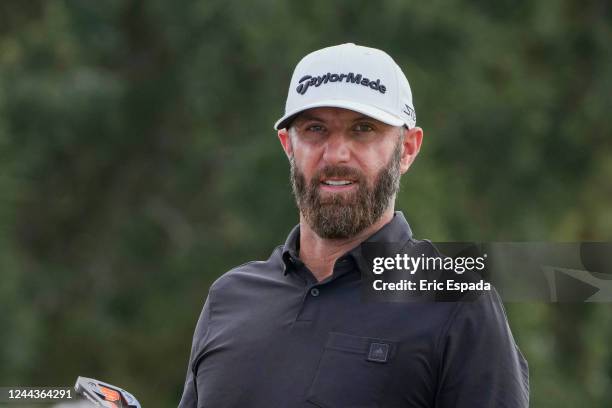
<point>138,163</point>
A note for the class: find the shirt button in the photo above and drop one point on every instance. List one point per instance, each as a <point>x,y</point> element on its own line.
<point>314,292</point>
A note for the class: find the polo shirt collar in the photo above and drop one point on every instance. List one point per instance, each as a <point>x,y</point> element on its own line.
<point>396,231</point>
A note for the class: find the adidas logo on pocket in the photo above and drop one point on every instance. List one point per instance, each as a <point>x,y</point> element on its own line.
<point>379,352</point>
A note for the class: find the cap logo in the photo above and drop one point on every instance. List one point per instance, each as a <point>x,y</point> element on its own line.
<point>410,112</point>
<point>357,79</point>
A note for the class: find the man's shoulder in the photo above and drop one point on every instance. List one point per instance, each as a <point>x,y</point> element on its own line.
<point>251,272</point>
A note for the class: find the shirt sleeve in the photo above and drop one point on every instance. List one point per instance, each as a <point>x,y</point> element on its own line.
<point>190,394</point>
<point>481,364</point>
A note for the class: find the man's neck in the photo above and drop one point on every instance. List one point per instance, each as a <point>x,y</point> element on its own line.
<point>320,254</point>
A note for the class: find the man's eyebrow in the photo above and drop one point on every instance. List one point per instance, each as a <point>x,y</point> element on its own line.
<point>305,117</point>
<point>363,117</point>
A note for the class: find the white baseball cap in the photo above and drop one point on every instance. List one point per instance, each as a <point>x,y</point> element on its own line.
<point>362,79</point>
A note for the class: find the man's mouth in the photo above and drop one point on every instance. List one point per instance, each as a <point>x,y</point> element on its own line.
<point>337,182</point>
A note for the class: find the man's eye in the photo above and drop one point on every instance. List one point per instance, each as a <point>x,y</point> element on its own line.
<point>315,128</point>
<point>363,127</point>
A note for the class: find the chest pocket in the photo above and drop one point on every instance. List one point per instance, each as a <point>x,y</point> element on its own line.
<point>352,372</point>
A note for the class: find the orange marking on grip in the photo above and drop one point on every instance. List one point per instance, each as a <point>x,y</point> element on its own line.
<point>110,394</point>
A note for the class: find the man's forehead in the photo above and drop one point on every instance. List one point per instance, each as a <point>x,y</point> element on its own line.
<point>328,114</point>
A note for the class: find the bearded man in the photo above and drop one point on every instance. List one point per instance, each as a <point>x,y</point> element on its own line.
<point>295,330</point>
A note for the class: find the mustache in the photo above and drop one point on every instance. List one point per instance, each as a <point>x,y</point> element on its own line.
<point>339,172</point>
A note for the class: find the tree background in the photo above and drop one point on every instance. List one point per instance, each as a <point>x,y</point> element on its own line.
<point>138,163</point>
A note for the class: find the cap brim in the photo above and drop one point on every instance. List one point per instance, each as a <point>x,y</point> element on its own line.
<point>364,109</point>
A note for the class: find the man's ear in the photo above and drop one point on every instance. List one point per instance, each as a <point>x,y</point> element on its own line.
<point>285,140</point>
<point>412,145</point>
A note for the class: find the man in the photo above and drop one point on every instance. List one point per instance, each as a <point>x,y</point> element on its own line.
<point>296,330</point>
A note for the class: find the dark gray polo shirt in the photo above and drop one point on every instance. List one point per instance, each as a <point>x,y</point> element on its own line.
<point>270,335</point>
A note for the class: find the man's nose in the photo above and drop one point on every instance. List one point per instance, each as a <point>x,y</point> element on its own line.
<point>337,149</point>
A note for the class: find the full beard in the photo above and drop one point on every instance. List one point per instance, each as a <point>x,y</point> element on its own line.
<point>344,215</point>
